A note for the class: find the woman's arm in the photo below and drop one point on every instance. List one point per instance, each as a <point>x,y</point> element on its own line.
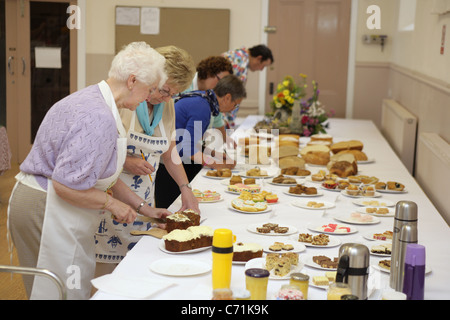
<point>96,199</point>
<point>173,164</point>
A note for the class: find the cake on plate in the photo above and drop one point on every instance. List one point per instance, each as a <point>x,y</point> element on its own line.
<point>194,237</point>
<point>182,220</point>
<point>244,252</point>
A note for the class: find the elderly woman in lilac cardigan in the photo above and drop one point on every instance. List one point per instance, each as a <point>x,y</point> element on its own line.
<point>70,176</point>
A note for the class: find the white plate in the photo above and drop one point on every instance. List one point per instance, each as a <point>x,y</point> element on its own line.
<point>392,191</point>
<point>308,260</point>
<point>296,177</point>
<point>303,204</point>
<point>349,219</point>
<point>269,208</point>
<point>298,181</point>
<point>162,247</point>
<point>298,247</point>
<point>334,242</point>
<point>377,267</point>
<point>302,195</point>
<point>316,228</point>
<point>370,202</point>
<point>376,195</point>
<point>215,178</point>
<point>211,201</point>
<point>380,254</point>
<point>180,267</point>
<point>261,262</point>
<point>390,214</point>
<point>370,160</point>
<point>334,190</point>
<point>252,228</point>
<point>369,236</point>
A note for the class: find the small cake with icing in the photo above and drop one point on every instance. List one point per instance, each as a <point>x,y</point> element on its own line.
<point>243,252</point>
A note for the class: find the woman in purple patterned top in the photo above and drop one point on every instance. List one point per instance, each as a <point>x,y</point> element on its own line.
<point>70,176</point>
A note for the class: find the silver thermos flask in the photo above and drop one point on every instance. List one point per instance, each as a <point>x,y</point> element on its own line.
<point>404,232</point>
<point>353,268</point>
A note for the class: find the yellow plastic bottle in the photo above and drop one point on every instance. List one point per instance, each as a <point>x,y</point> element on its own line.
<point>222,256</point>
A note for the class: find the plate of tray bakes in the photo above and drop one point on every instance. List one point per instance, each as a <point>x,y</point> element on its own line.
<point>295,172</point>
<point>249,206</point>
<point>279,265</point>
<point>333,185</point>
<point>259,173</point>
<point>321,262</point>
<point>333,228</point>
<point>390,187</point>
<point>313,205</point>
<point>207,196</point>
<point>379,236</point>
<point>358,218</point>
<point>283,247</point>
<point>369,202</point>
<point>320,240</point>
<point>303,195</point>
<point>271,229</point>
<point>377,211</point>
<point>218,174</point>
<point>381,249</point>
<point>384,265</point>
<point>286,181</point>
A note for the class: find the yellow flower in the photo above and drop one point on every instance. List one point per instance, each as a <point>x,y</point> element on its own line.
<point>286,83</point>
<point>286,92</point>
<point>304,76</point>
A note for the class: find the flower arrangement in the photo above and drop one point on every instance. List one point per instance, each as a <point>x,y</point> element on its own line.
<point>312,113</point>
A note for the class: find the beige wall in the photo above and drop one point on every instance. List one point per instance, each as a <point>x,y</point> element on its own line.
<point>410,70</point>
<point>245,30</point>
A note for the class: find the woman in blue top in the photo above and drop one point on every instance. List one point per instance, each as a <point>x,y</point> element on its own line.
<point>194,111</point>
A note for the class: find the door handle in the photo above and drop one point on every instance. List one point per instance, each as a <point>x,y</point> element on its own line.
<point>23,65</point>
<point>271,88</point>
<point>10,71</point>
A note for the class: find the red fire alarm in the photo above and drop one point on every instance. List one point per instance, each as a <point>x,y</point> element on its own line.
<point>444,27</point>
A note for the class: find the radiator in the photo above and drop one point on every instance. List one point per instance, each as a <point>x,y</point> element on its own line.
<point>433,171</point>
<point>399,127</point>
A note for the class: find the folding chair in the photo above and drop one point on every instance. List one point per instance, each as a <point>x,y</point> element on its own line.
<point>38,272</point>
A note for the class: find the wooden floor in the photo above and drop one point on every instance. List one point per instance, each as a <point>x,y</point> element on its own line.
<point>11,286</point>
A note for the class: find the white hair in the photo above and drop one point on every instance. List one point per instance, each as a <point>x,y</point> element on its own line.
<point>140,60</point>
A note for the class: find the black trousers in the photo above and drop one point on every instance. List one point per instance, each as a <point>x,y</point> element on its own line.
<point>166,189</point>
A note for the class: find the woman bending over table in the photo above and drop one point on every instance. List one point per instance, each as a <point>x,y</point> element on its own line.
<point>149,131</point>
<point>194,111</point>
<point>70,176</point>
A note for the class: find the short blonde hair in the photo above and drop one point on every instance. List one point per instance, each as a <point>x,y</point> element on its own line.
<point>140,60</point>
<point>179,67</point>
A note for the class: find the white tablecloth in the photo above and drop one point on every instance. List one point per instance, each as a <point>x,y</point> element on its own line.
<point>433,232</point>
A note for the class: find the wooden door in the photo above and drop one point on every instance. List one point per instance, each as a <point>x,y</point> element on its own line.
<point>34,85</point>
<point>311,37</point>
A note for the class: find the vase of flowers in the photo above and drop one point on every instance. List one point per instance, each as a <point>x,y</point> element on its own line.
<point>287,93</point>
<point>312,114</point>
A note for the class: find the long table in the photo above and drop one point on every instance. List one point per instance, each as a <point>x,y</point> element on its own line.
<point>433,232</point>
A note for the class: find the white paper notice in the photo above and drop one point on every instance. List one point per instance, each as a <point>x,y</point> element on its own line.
<point>149,20</point>
<point>127,16</point>
<point>47,57</point>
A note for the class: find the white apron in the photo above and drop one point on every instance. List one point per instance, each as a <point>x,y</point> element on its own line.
<point>113,239</point>
<point>67,243</point>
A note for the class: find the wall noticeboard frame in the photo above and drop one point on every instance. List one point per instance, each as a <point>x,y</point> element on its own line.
<point>201,32</point>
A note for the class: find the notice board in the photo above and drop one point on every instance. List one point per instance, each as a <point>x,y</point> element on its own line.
<point>201,32</point>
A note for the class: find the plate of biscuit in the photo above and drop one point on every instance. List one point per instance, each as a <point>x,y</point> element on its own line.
<point>285,246</point>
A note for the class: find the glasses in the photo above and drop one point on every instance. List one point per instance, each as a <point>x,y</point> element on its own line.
<point>164,93</point>
<point>218,78</point>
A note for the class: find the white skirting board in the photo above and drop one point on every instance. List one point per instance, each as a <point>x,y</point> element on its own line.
<point>433,170</point>
<point>399,127</point>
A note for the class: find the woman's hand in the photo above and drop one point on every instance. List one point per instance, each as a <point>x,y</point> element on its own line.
<point>158,213</point>
<point>188,200</point>
<point>138,166</point>
<point>120,211</point>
